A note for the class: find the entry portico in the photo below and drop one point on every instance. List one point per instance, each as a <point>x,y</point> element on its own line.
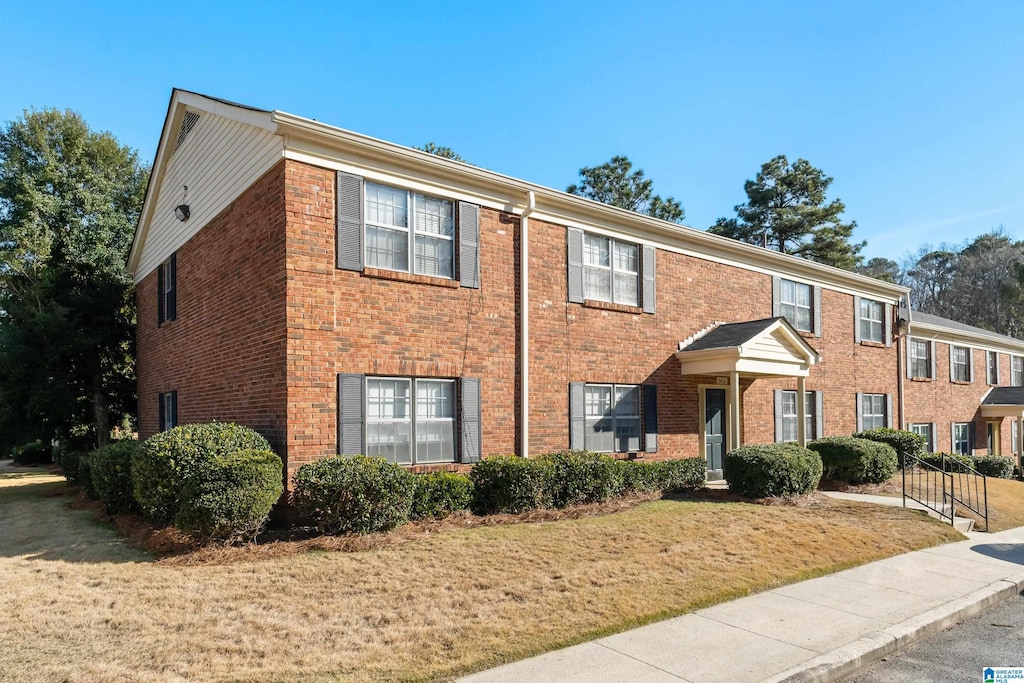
<point>755,349</point>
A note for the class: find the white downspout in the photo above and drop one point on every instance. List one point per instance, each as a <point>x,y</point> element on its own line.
<point>524,323</point>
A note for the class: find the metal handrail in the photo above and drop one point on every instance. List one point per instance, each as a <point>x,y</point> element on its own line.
<point>958,488</point>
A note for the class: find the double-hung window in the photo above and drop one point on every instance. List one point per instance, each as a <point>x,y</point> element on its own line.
<point>961,364</point>
<point>872,411</point>
<point>611,270</point>
<point>925,430</point>
<point>920,359</point>
<point>409,232</point>
<point>410,421</point>
<point>789,419</point>
<point>871,321</point>
<point>795,303</point>
<point>167,294</point>
<point>1017,371</point>
<point>612,417</point>
<point>962,438</point>
<point>168,416</point>
<point>992,367</point>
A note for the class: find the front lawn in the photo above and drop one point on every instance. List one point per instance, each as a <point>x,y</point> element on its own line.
<point>79,603</point>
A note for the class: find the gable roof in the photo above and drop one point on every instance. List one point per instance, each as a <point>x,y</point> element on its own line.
<point>730,334</point>
<point>923,323</point>
<point>1004,396</point>
<point>769,348</point>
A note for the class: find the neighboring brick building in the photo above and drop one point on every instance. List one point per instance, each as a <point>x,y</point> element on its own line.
<point>343,294</point>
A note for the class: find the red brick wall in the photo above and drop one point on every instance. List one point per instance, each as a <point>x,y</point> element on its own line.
<point>579,343</point>
<point>345,321</point>
<point>944,402</point>
<point>225,351</point>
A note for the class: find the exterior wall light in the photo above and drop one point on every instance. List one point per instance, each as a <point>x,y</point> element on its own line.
<point>181,211</point>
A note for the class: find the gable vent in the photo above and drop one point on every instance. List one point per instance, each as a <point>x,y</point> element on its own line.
<point>187,124</point>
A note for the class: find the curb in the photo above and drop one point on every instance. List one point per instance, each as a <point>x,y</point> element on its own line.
<point>846,660</point>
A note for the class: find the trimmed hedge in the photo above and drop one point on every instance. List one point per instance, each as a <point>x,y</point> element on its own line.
<point>229,498</point>
<point>111,475</point>
<point>439,494</point>
<point>762,471</point>
<point>509,484</point>
<point>998,466</point>
<point>70,463</point>
<point>904,443</point>
<point>85,476</point>
<point>355,494</point>
<point>682,475</point>
<point>854,460</point>
<point>579,477</point>
<point>34,453</point>
<point>166,460</point>
<point>954,462</point>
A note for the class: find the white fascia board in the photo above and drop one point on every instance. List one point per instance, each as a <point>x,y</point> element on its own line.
<point>494,189</point>
<point>972,340</point>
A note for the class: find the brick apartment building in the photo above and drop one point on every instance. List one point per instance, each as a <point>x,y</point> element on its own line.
<point>342,294</point>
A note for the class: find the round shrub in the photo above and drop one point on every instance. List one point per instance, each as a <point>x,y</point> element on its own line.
<point>904,443</point>
<point>684,474</point>
<point>950,462</point>
<point>439,494</point>
<point>229,498</point>
<point>998,466</point>
<point>509,484</point>
<point>34,453</point>
<point>855,461</point>
<point>70,462</point>
<point>166,460</point>
<point>355,494</point>
<point>111,474</point>
<point>578,477</point>
<point>761,471</point>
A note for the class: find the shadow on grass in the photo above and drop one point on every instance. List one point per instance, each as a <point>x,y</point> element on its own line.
<point>1008,552</point>
<point>37,523</point>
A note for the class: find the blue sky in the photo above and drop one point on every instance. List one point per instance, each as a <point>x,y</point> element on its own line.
<point>915,108</point>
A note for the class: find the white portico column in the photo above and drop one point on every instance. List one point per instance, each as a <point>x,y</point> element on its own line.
<point>734,411</point>
<point>801,411</point>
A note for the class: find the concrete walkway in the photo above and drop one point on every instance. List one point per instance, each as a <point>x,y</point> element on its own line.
<point>817,630</point>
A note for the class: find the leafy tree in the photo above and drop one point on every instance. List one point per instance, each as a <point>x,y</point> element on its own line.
<point>69,201</point>
<point>786,211</point>
<point>437,150</point>
<point>881,268</point>
<point>616,183</point>
<point>930,275</point>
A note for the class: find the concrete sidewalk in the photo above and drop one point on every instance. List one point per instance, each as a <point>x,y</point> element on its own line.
<point>817,630</point>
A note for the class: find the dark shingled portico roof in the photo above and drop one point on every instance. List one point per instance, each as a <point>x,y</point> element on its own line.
<point>1005,396</point>
<point>731,334</point>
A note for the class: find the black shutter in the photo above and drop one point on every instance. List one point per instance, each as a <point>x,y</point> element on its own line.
<point>650,418</point>
<point>160,298</point>
<point>469,245</point>
<point>172,293</point>
<point>174,410</point>
<point>649,294</point>
<point>160,412</point>
<point>575,239</point>
<point>577,416</point>
<point>778,416</point>
<point>856,320</point>
<point>349,240</point>
<point>469,425</point>
<point>351,421</point>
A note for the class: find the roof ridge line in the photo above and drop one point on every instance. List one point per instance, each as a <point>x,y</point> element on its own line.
<point>694,337</point>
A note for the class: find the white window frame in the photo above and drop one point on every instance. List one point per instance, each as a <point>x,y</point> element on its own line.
<point>613,269</point>
<point>414,419</point>
<point>965,364</point>
<point>413,234</point>
<point>790,416</point>
<point>871,319</point>
<point>927,359</point>
<point>992,367</point>
<point>790,303</point>
<point>868,419</point>
<point>1017,371</point>
<point>961,439</point>
<point>611,412</point>
<point>924,429</point>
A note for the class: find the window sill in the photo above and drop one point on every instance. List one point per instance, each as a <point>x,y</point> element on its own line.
<point>921,379</point>
<point>606,306</point>
<point>399,276</point>
<point>873,344</point>
<point>957,381</point>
